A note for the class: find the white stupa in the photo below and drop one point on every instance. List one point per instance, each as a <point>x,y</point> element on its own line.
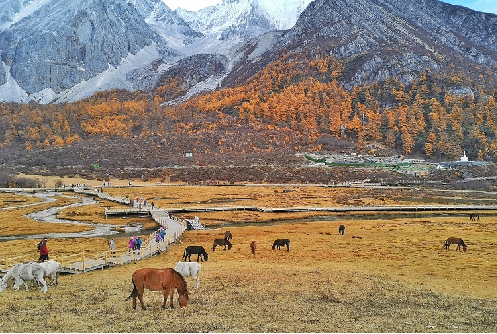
<point>464,157</point>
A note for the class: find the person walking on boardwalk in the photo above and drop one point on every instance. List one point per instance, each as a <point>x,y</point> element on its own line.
<point>162,233</point>
<point>138,243</point>
<point>112,246</point>
<point>131,244</point>
<point>42,247</point>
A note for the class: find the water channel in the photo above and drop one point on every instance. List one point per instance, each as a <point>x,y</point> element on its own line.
<point>108,230</point>
<point>50,216</point>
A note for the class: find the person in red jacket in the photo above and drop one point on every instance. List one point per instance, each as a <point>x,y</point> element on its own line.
<point>42,246</point>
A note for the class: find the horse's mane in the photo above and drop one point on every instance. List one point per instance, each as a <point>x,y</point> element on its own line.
<point>183,279</point>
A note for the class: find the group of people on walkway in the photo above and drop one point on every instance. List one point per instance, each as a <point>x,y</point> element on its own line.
<point>137,202</point>
<point>160,235</point>
<point>135,244</point>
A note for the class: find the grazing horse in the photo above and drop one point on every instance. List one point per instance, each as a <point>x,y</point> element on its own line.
<point>51,270</point>
<point>21,273</point>
<point>221,242</point>
<point>341,229</point>
<point>199,250</point>
<point>253,246</point>
<point>281,242</point>
<point>228,235</point>
<point>191,269</point>
<point>165,280</point>
<point>458,241</point>
<point>474,216</point>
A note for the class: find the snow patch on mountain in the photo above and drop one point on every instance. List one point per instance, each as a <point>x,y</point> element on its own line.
<point>10,91</point>
<point>22,11</point>
<point>264,44</point>
<point>283,13</point>
<point>205,86</point>
<point>113,77</point>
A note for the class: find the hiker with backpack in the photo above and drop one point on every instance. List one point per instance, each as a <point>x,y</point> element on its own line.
<point>138,244</point>
<point>42,247</point>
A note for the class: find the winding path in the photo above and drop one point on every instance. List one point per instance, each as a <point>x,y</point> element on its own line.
<point>150,247</point>
<point>79,263</point>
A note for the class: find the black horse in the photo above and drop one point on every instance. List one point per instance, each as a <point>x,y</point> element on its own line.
<point>282,242</point>
<point>341,229</point>
<point>199,250</point>
<point>221,242</point>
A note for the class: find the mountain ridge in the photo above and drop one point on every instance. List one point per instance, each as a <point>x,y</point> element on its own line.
<point>54,52</point>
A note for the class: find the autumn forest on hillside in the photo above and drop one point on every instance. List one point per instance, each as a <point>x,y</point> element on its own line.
<point>293,102</point>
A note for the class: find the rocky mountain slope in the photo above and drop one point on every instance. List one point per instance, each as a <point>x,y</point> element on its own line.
<point>385,38</point>
<point>57,51</point>
<point>54,50</point>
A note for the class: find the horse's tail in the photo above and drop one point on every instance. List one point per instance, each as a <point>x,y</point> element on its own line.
<point>134,292</point>
<point>214,246</point>
<point>184,255</point>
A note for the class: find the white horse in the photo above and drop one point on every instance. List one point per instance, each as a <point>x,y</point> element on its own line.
<point>24,272</point>
<point>51,270</point>
<point>189,269</point>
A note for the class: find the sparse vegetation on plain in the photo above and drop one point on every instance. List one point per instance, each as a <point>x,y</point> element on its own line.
<point>383,275</point>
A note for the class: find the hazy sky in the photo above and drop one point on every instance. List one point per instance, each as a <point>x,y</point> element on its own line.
<point>488,6</point>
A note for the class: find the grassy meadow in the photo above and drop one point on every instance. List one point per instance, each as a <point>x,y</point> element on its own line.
<point>383,275</point>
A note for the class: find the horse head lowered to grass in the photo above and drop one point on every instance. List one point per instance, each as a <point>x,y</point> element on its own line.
<point>199,250</point>
<point>23,272</point>
<point>278,243</point>
<point>457,241</point>
<point>222,242</point>
<point>166,280</point>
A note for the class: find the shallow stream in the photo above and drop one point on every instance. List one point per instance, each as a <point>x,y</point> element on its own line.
<point>50,216</point>
<point>108,230</point>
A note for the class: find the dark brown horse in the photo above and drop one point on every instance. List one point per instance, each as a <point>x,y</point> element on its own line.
<point>199,250</point>
<point>458,241</point>
<point>282,242</point>
<point>221,242</point>
<point>165,280</point>
<point>253,246</point>
<point>228,235</point>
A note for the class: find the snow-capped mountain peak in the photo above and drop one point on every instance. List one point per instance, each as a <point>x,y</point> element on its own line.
<point>58,50</point>
<point>244,18</point>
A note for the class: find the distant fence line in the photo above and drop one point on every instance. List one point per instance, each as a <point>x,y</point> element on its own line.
<point>87,261</point>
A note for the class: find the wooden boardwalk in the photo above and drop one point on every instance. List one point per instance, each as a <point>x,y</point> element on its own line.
<point>174,230</point>
<point>333,209</point>
<point>84,262</point>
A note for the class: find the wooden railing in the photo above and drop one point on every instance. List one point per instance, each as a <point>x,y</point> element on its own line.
<point>86,261</point>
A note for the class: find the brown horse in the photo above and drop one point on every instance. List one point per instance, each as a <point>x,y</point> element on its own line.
<point>253,246</point>
<point>221,242</point>
<point>228,235</point>
<point>166,280</point>
<point>458,241</point>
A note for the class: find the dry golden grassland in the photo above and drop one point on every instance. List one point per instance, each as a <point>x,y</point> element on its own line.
<point>384,275</point>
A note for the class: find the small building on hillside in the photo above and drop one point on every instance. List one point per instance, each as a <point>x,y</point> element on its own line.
<point>464,161</point>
